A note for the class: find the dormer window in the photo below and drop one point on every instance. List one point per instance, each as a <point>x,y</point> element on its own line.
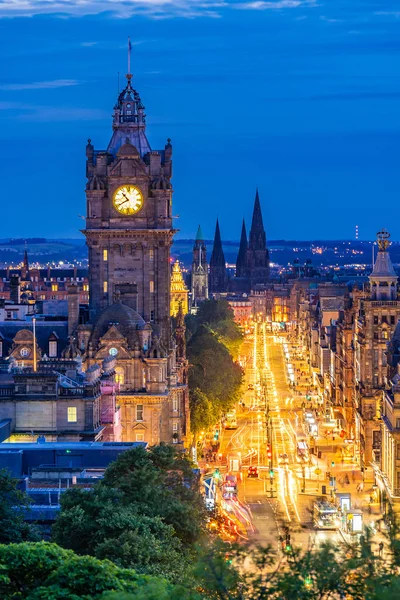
<point>52,349</point>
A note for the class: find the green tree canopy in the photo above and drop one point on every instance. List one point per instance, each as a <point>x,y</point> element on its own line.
<point>43,571</point>
<point>213,371</point>
<point>13,506</point>
<point>146,514</point>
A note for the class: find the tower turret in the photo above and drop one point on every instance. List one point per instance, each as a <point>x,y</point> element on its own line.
<point>383,278</point>
<point>199,270</point>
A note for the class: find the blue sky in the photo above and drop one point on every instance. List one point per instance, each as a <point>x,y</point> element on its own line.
<point>298,97</point>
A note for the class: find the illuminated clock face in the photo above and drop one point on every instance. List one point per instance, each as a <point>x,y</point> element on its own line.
<point>24,352</point>
<point>128,199</point>
<point>113,352</point>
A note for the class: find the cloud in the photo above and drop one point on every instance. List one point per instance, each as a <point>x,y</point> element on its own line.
<point>157,9</point>
<point>42,114</point>
<point>88,44</point>
<point>275,5</point>
<point>39,85</point>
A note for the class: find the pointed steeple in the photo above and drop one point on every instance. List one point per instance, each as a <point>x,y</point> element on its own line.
<point>199,270</point>
<point>241,265</point>
<point>257,253</point>
<point>257,232</point>
<point>217,264</point>
<point>199,235</point>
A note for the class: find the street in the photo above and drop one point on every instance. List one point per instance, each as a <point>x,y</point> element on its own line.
<point>272,434</point>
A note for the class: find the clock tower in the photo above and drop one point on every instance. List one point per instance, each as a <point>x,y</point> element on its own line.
<point>129,222</point>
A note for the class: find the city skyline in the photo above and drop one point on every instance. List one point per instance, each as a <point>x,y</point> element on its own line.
<point>307,100</point>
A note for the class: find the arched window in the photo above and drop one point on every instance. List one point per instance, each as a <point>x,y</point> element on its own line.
<point>119,375</point>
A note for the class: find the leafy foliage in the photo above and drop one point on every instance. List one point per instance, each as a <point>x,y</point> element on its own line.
<point>147,513</point>
<point>13,505</point>
<point>43,571</point>
<point>213,370</point>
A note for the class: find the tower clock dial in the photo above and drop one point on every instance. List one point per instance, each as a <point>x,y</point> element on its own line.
<point>128,199</point>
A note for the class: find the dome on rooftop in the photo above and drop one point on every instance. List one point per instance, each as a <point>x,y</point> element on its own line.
<point>125,319</point>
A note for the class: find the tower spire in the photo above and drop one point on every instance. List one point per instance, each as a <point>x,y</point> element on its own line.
<point>241,270</point>
<point>217,264</point>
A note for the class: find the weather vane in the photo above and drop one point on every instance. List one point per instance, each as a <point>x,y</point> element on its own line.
<point>383,240</point>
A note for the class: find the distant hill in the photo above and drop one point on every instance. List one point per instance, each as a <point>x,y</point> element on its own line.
<point>282,252</point>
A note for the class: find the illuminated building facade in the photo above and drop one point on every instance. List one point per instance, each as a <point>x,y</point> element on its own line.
<point>179,291</point>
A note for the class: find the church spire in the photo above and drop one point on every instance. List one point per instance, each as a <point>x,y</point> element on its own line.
<point>257,253</point>
<point>199,235</point>
<point>217,264</point>
<point>257,231</point>
<point>241,269</point>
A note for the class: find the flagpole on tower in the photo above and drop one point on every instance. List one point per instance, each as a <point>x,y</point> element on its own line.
<point>129,55</point>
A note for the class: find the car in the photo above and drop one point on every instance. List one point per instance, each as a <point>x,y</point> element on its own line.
<point>283,459</point>
<point>252,472</point>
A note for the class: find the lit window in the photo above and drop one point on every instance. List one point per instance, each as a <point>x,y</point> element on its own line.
<point>119,375</point>
<point>140,437</point>
<point>151,255</point>
<point>54,287</point>
<point>85,287</point>
<point>175,404</point>
<point>105,287</point>
<point>174,426</point>
<point>139,412</point>
<point>72,414</point>
<point>105,254</point>
<point>151,286</point>
<point>52,349</point>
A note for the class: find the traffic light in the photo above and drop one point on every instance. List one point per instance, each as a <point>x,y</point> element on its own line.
<point>269,452</point>
<point>333,463</point>
<point>307,581</point>
<point>271,473</point>
<point>217,474</point>
<point>216,435</point>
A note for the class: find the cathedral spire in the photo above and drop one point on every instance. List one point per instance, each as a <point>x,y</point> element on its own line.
<point>257,232</point>
<point>257,252</point>
<point>241,269</point>
<point>218,279</point>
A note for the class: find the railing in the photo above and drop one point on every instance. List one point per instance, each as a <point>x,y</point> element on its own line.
<point>384,302</point>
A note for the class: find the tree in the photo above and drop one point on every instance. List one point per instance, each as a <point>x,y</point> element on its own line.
<point>218,316</point>
<point>147,513</point>
<point>202,412</point>
<point>213,370</point>
<point>43,571</point>
<point>13,506</point>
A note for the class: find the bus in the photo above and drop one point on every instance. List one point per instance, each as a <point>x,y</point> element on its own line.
<point>325,515</point>
<point>230,420</point>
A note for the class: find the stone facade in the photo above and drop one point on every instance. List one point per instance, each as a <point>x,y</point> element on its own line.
<point>199,270</point>
<point>129,235</point>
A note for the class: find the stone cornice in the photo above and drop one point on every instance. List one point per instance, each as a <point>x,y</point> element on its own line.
<point>127,233</point>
